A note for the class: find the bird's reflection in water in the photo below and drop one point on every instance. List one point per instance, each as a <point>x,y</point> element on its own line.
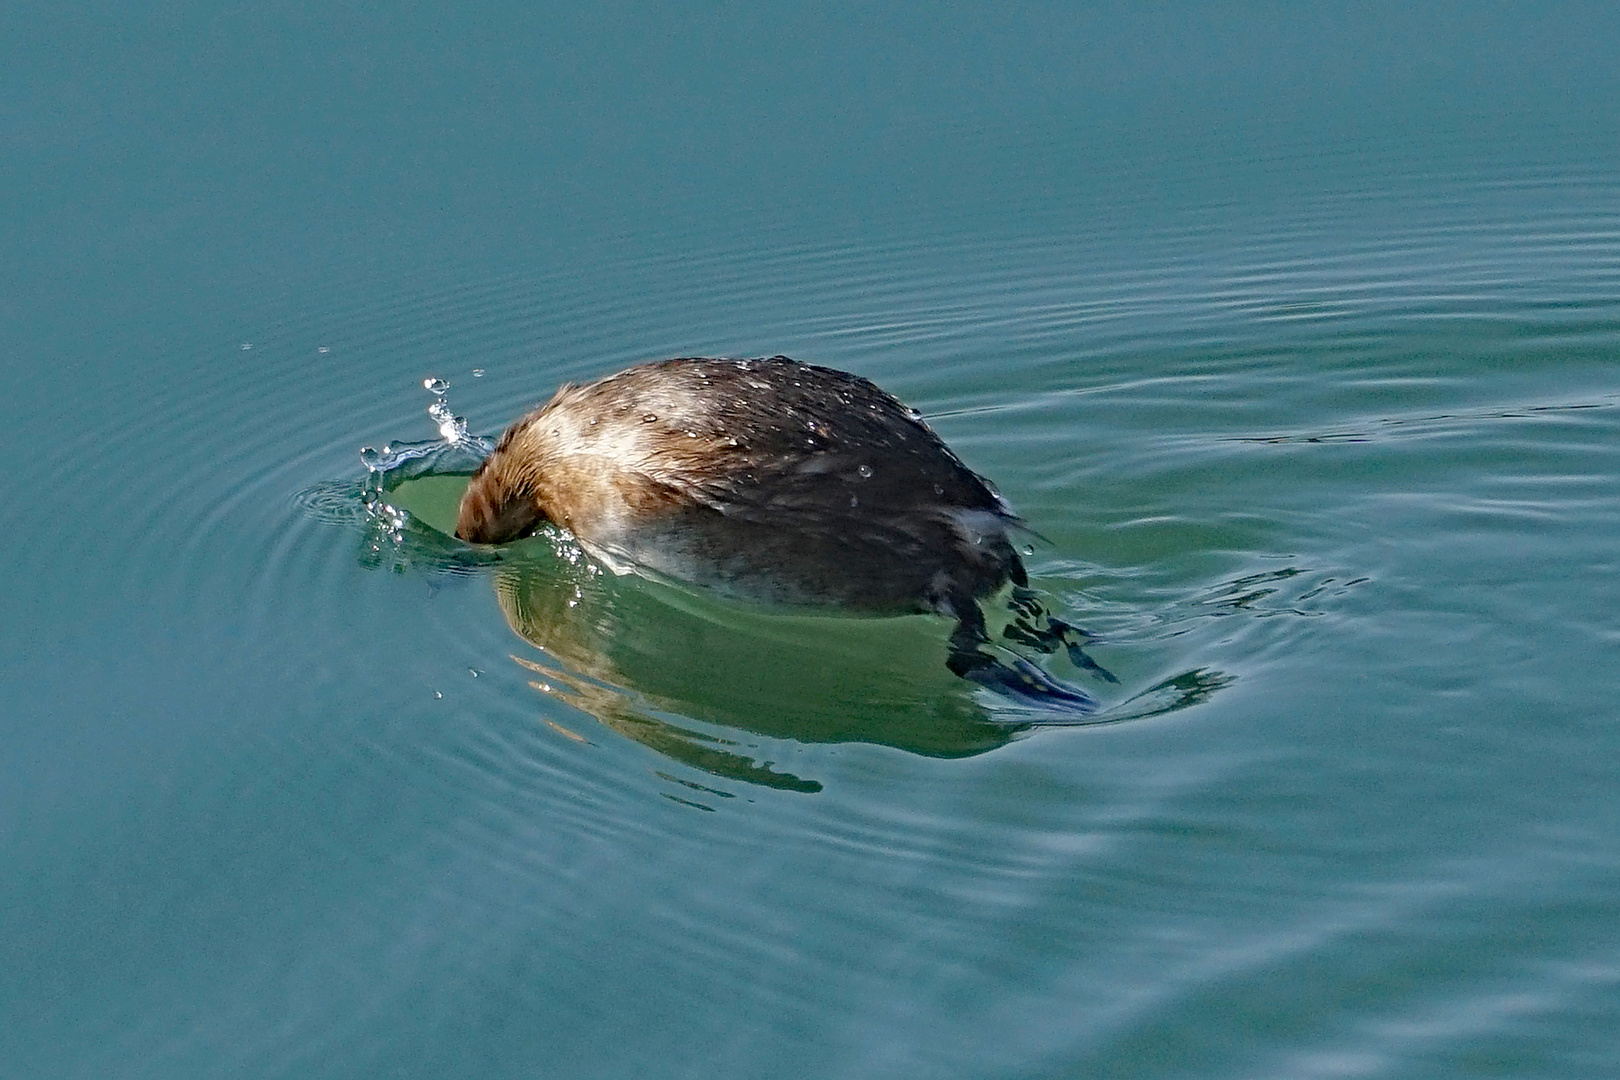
<point>648,659</point>
<point>641,657</point>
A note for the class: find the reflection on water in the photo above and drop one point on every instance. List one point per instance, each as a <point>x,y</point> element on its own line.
<point>626,649</point>
<point>635,654</point>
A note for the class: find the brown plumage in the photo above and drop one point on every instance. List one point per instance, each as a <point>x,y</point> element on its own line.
<point>763,479</point>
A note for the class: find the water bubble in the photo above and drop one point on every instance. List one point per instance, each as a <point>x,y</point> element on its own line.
<point>1029,549</point>
<point>438,696</point>
<point>854,502</point>
<point>474,672</point>
<point>371,458</point>
<point>478,373</point>
<point>440,411</point>
<point>649,418</point>
<point>435,386</point>
<point>865,471</point>
<point>323,350</point>
<point>939,489</point>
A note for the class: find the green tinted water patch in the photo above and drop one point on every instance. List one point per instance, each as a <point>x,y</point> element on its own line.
<point>433,499</point>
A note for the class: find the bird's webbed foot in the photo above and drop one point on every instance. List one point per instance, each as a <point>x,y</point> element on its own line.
<point>1034,627</point>
<point>1021,680</point>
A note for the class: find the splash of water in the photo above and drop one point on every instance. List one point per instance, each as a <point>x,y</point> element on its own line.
<point>453,452</point>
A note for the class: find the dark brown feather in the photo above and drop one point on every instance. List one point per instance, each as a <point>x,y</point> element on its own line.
<point>764,478</point>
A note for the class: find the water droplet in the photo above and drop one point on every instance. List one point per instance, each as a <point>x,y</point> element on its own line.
<point>939,489</point>
<point>452,428</point>
<point>854,502</point>
<point>593,421</point>
<point>865,471</point>
<point>1029,549</point>
<point>649,418</point>
<point>246,345</point>
<point>323,350</point>
<point>478,373</point>
<point>474,672</point>
<point>435,386</point>
<point>371,458</point>
<point>438,695</point>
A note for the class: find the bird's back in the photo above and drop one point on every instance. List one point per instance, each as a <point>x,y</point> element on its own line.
<point>764,478</point>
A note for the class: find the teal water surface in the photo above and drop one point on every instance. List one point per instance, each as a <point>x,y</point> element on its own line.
<point>1292,334</point>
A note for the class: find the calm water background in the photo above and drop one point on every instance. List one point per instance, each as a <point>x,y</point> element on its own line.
<point>1294,332</point>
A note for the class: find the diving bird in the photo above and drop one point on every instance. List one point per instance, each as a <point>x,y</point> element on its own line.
<point>779,482</point>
